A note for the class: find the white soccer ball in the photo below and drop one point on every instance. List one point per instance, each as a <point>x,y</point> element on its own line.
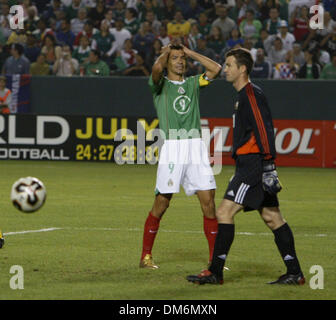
<point>28,194</point>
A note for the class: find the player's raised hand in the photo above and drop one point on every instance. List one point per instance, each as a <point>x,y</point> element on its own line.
<point>186,50</point>
<point>166,49</point>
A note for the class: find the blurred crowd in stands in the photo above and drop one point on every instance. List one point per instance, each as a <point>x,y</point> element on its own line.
<point>124,37</point>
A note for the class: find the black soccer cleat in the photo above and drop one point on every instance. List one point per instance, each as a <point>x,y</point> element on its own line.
<point>295,279</point>
<point>205,277</point>
<point>2,240</point>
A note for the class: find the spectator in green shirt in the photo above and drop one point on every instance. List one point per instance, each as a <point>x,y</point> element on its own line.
<point>82,52</point>
<point>271,24</point>
<point>250,27</point>
<point>104,41</point>
<point>203,24</point>
<point>96,66</point>
<point>131,21</point>
<point>72,10</point>
<point>329,70</point>
<point>310,69</point>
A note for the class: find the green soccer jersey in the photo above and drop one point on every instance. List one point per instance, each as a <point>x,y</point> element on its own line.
<point>177,105</point>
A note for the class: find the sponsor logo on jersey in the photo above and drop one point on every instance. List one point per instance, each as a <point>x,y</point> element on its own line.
<point>182,104</point>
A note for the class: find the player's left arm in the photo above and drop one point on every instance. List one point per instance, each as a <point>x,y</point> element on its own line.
<point>262,125</point>
<point>212,67</point>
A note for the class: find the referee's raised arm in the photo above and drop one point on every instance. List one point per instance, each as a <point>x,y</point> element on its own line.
<point>160,64</point>
<point>212,67</point>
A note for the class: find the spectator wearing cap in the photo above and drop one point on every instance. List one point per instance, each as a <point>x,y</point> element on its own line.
<point>103,41</point>
<point>131,21</point>
<point>65,35</point>
<point>262,68</point>
<point>31,49</point>
<point>277,53</point>
<point>96,66</point>
<point>178,27</point>
<point>329,70</point>
<point>287,38</point>
<point>65,65</point>
<point>17,63</point>
<point>77,24</point>
<point>120,34</point>
<point>40,67</point>
<point>144,39</point>
<point>5,96</point>
<point>223,21</point>
<point>250,27</point>
<point>271,24</point>
<point>310,69</point>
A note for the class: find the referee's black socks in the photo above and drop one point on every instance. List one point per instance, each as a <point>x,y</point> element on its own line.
<point>284,240</point>
<point>223,243</point>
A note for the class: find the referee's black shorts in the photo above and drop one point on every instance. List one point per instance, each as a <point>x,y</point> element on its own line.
<point>245,187</point>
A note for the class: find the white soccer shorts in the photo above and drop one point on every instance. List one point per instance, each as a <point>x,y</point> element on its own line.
<point>184,162</point>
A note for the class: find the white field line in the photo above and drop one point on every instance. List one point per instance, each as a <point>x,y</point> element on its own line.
<point>30,231</point>
<point>140,230</point>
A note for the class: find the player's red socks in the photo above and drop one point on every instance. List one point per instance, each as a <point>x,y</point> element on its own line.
<point>150,230</point>
<point>210,227</point>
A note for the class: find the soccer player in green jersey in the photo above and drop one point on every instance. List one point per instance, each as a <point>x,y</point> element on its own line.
<point>183,156</point>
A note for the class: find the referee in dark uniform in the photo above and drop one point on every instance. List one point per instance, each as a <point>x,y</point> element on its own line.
<point>255,183</point>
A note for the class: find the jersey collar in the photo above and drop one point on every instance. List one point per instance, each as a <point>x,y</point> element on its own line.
<point>176,82</point>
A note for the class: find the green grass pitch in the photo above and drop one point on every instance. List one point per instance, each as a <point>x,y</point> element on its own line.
<point>99,211</point>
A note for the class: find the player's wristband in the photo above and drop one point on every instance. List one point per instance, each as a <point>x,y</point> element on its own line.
<point>268,165</point>
<point>205,77</point>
